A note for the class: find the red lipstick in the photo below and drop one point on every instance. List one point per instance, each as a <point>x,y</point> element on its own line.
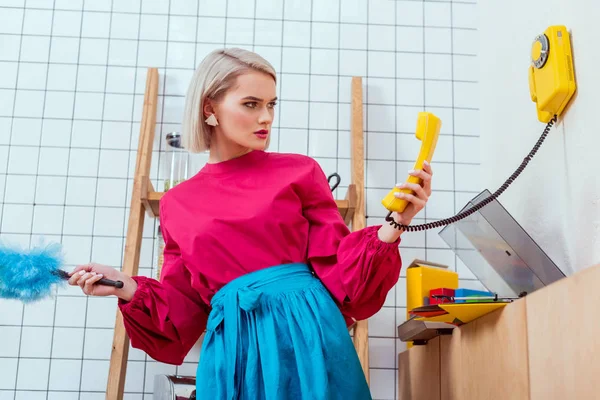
<point>263,133</point>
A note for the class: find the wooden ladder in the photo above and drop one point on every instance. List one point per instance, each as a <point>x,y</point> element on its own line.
<point>146,200</point>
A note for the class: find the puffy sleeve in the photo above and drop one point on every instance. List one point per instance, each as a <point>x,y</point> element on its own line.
<point>165,318</point>
<point>357,267</point>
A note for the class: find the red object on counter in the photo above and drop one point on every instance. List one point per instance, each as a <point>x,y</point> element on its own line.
<point>441,292</point>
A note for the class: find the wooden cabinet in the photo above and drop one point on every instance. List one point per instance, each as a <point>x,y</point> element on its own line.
<point>419,372</point>
<point>544,346</point>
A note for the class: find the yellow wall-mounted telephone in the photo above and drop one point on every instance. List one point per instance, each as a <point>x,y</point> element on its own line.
<point>551,76</point>
<point>551,86</point>
<point>428,130</point>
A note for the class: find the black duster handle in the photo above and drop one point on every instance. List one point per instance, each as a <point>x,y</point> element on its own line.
<point>103,281</point>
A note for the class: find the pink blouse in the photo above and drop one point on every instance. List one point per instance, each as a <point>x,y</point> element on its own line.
<point>258,210</point>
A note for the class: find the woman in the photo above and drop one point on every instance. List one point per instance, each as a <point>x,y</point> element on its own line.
<point>257,254</point>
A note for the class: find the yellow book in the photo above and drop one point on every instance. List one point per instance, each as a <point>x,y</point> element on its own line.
<point>423,276</point>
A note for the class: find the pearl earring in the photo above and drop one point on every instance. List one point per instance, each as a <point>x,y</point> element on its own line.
<point>212,120</point>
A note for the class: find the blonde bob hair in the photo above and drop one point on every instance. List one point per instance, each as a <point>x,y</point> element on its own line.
<point>214,76</point>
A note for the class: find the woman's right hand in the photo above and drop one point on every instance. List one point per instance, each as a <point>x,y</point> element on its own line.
<point>86,277</point>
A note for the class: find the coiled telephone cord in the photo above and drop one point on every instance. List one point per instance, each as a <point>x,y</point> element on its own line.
<point>482,203</point>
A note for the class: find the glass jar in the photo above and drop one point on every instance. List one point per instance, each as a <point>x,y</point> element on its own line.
<point>160,249</point>
<point>176,161</point>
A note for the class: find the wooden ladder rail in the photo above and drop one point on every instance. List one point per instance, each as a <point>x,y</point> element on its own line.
<point>146,200</point>
<point>120,347</point>
<point>361,328</point>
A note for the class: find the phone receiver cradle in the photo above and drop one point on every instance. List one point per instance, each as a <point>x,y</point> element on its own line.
<point>551,73</point>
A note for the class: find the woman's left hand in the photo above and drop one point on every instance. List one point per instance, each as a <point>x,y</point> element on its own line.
<point>418,200</point>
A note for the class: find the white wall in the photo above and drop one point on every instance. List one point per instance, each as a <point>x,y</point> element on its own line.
<point>72,75</point>
<point>557,197</point>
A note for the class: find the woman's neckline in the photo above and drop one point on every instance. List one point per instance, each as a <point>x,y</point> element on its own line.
<point>237,163</point>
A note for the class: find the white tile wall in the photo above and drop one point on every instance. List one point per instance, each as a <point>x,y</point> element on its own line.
<point>72,77</point>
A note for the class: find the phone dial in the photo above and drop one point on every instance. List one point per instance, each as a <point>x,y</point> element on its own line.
<point>551,87</point>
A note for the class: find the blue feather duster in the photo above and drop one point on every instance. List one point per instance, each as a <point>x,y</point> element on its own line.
<point>30,275</point>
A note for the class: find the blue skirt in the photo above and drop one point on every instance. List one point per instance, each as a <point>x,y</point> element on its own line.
<point>277,334</point>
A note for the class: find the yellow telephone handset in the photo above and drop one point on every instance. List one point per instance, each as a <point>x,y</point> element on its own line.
<point>428,130</point>
<point>551,76</point>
